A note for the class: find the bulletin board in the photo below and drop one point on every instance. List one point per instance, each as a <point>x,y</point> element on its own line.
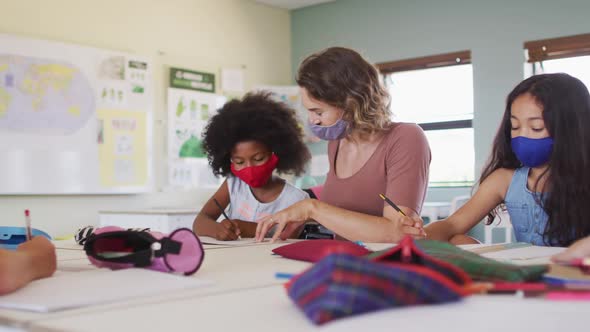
<point>73,119</point>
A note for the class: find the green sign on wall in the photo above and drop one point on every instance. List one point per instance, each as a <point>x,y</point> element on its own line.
<point>192,80</point>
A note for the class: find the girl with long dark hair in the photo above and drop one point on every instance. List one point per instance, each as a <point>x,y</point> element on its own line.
<point>539,167</point>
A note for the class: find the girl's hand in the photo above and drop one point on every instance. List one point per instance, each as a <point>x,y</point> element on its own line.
<point>579,249</point>
<point>41,253</point>
<point>287,221</point>
<point>227,230</point>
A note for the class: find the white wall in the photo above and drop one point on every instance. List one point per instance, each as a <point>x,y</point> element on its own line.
<point>203,35</point>
<point>387,30</point>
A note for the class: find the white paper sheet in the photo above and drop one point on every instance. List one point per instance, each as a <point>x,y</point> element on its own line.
<point>239,242</point>
<point>67,290</point>
<point>525,255</point>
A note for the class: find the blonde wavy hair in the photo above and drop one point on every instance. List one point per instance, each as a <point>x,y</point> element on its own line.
<point>341,77</point>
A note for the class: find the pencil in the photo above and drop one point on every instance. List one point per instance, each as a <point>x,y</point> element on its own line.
<point>383,197</point>
<point>219,206</point>
<point>28,225</point>
<point>223,212</point>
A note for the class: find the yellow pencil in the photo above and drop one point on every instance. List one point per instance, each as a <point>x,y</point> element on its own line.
<point>383,197</point>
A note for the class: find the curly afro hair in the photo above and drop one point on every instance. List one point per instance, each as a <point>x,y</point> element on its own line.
<point>256,117</point>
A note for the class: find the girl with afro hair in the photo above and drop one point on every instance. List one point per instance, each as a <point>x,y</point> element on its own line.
<point>246,141</point>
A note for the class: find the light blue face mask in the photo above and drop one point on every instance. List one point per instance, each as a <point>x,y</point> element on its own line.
<point>532,152</point>
<point>329,133</point>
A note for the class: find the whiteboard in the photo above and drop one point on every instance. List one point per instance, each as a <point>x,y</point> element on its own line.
<point>73,119</point>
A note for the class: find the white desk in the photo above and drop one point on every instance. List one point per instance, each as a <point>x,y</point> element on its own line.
<point>246,297</point>
<point>65,246</point>
<point>230,268</point>
<point>270,309</point>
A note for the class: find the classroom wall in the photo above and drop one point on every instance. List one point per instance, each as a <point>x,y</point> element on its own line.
<point>203,35</point>
<point>494,31</point>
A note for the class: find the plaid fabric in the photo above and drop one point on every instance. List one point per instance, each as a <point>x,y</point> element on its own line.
<point>342,285</point>
<point>417,257</point>
<point>478,267</point>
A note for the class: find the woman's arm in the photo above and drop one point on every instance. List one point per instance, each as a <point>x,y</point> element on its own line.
<point>32,260</point>
<point>348,224</point>
<point>489,195</point>
<point>206,224</point>
<point>356,226</point>
<point>407,162</point>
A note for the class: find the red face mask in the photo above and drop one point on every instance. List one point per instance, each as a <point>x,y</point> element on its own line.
<point>257,176</point>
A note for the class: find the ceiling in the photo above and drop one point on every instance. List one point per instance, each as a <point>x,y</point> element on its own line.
<point>292,4</point>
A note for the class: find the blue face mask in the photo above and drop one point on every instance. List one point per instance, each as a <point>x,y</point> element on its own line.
<point>532,152</point>
<point>329,133</point>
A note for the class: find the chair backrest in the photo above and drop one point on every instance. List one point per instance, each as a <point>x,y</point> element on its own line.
<point>315,191</point>
<point>310,193</point>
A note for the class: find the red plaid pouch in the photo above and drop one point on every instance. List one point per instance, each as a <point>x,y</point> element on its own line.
<point>342,285</point>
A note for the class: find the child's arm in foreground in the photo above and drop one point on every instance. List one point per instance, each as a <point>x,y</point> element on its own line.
<point>32,260</point>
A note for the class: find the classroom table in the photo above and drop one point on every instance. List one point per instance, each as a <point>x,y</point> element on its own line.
<point>230,268</point>
<point>269,309</point>
<point>245,295</point>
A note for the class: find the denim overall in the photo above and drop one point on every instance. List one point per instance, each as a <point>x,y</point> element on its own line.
<point>527,216</point>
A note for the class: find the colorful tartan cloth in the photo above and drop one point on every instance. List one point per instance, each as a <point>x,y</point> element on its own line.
<point>417,257</point>
<point>342,285</point>
<point>478,267</point>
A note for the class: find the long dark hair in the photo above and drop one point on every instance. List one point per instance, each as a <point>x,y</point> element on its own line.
<point>566,112</point>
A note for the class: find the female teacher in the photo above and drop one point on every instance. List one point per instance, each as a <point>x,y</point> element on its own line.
<point>368,153</point>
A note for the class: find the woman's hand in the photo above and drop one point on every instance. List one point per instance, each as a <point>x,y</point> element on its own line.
<point>579,249</point>
<point>412,226</point>
<point>287,221</point>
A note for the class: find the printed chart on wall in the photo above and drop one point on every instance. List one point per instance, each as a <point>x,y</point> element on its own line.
<point>73,119</point>
<point>188,114</point>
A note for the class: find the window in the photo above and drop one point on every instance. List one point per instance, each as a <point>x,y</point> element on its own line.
<point>437,93</point>
<point>569,55</point>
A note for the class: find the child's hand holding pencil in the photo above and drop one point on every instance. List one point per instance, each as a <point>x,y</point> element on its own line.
<point>228,229</point>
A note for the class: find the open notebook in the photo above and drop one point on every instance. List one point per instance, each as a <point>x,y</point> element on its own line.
<point>235,243</point>
<point>523,253</point>
<point>99,286</point>
<point>559,274</point>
